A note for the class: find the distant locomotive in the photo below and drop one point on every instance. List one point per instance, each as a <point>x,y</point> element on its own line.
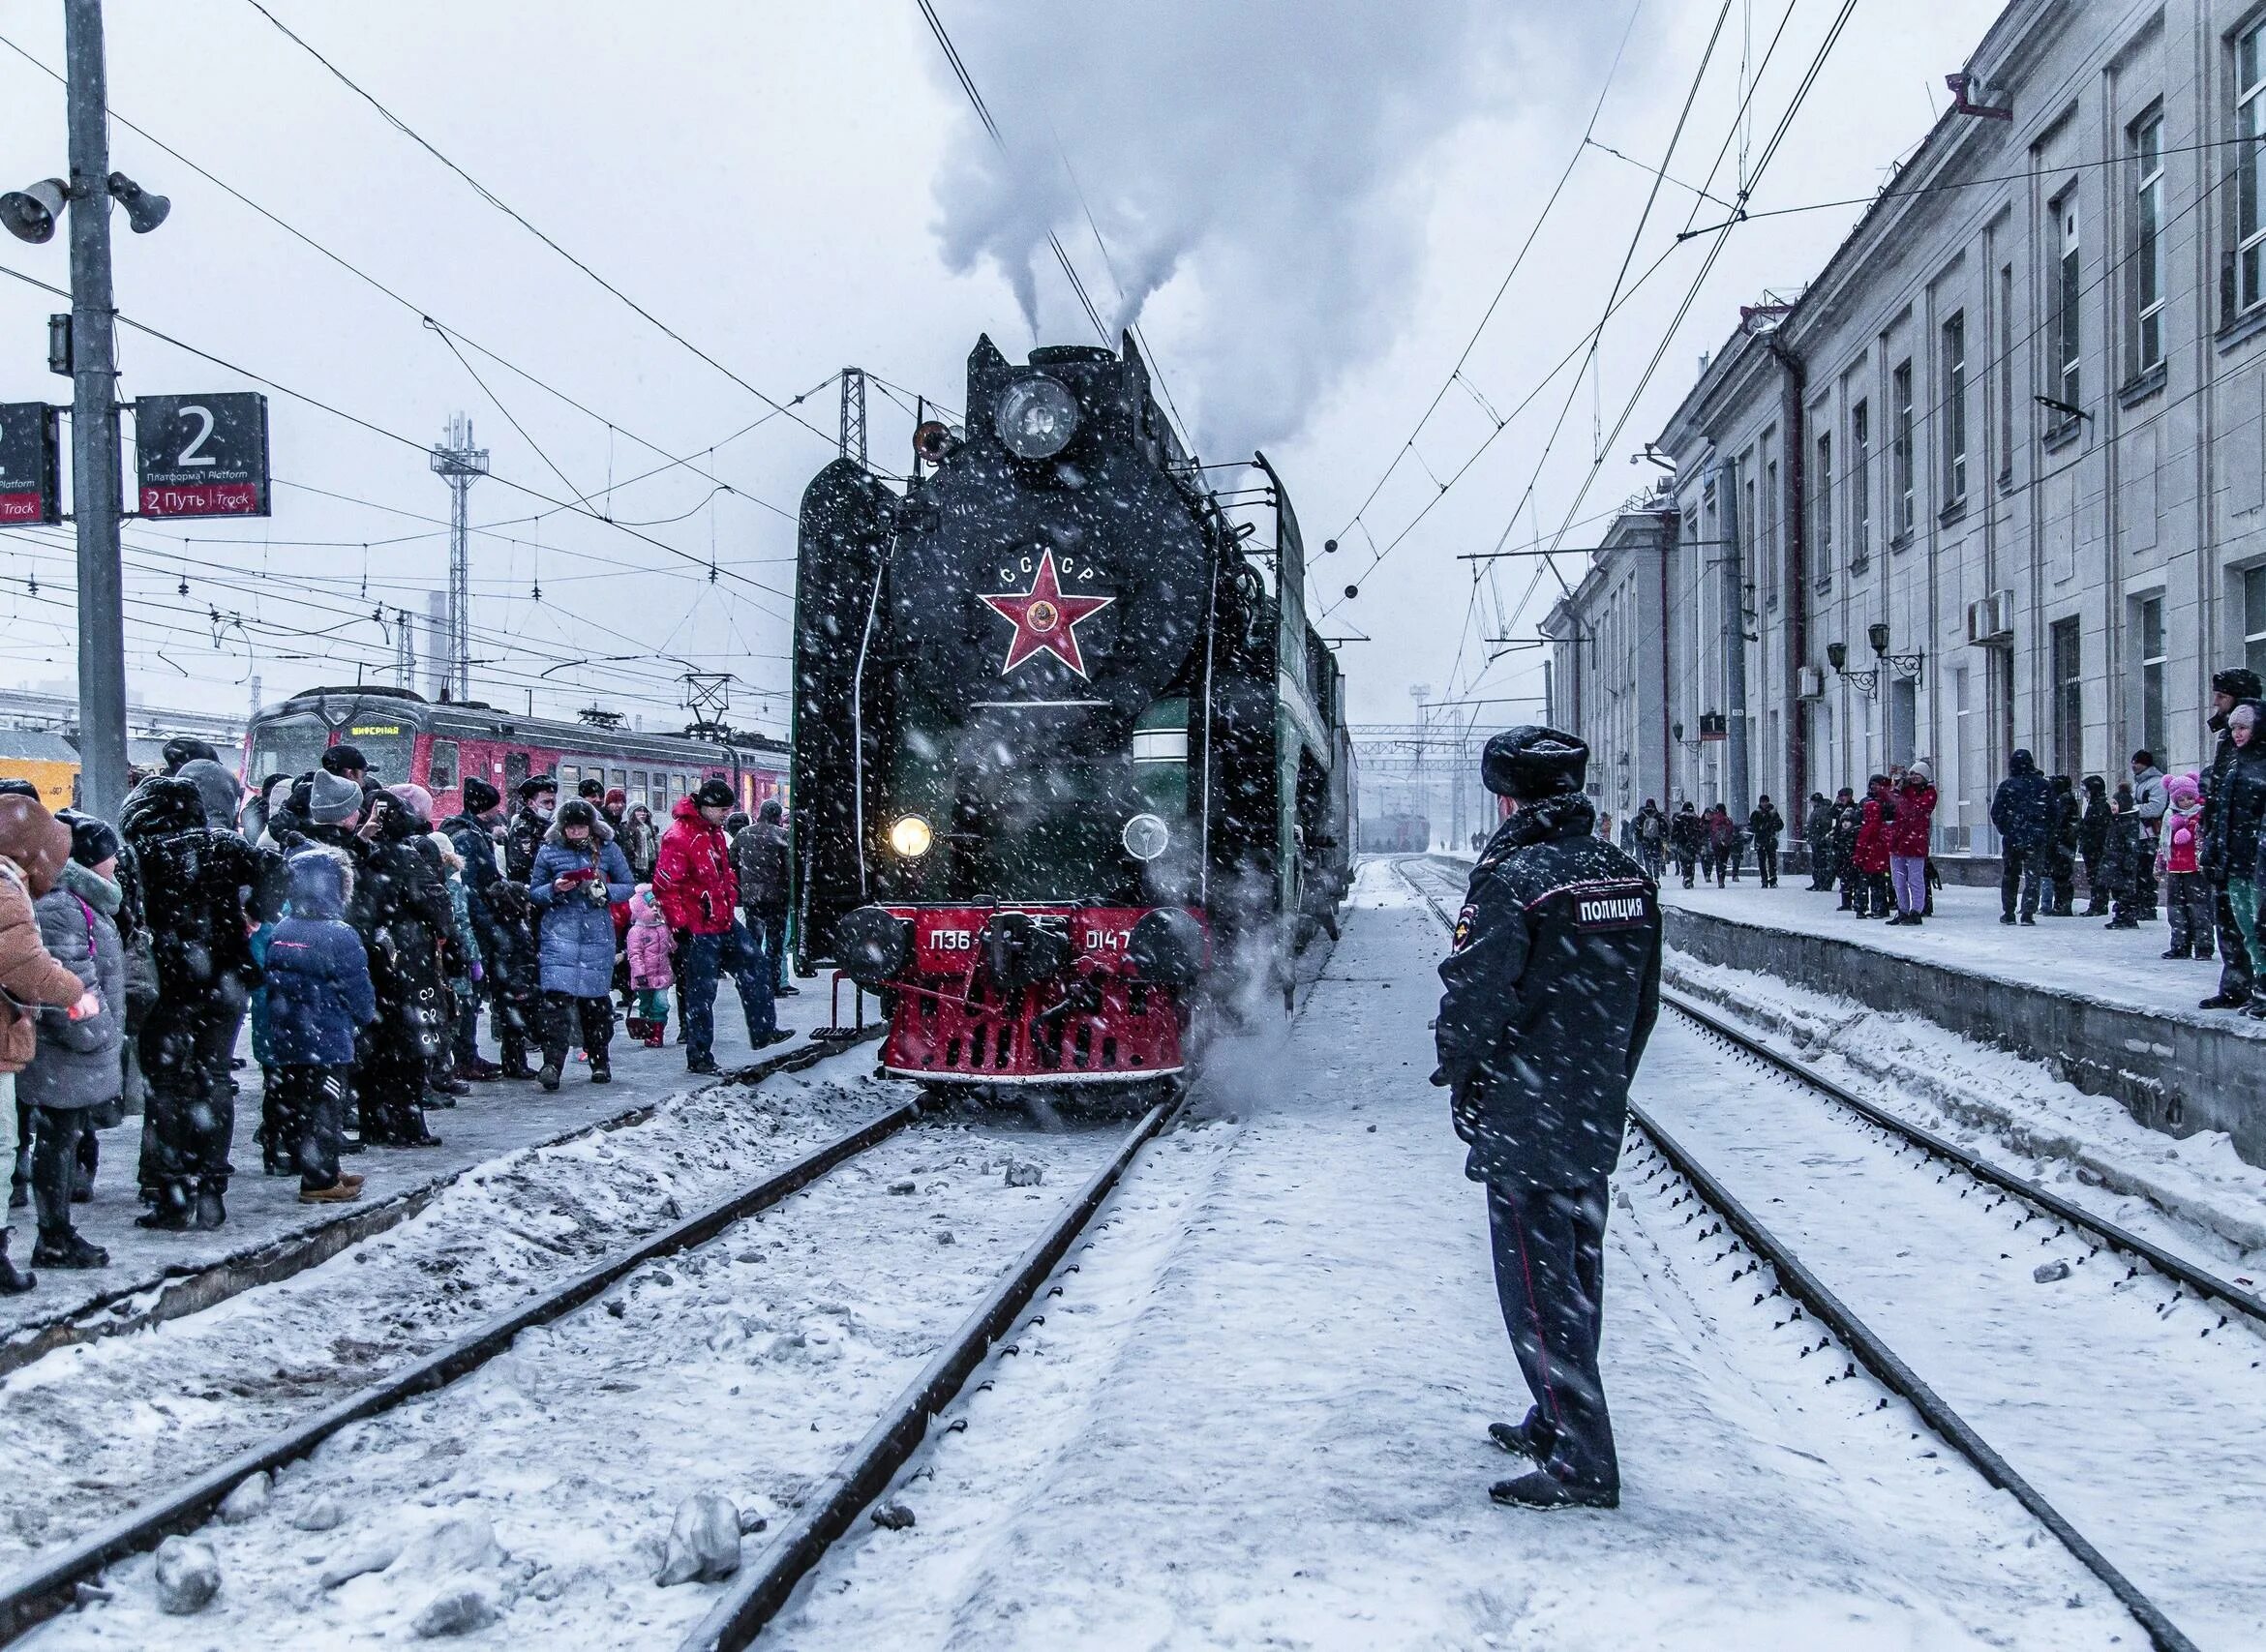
<point>1064,760</point>
<point>1395,834</point>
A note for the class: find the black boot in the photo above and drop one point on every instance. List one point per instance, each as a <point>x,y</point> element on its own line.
<point>13,1280</point>
<point>211,1212</point>
<point>1531,1438</point>
<point>548,1078</point>
<point>68,1250</point>
<point>171,1212</point>
<point>1543,1490</point>
<point>601,1067</point>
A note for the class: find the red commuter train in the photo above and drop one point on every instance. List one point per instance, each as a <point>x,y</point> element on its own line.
<point>435,745</point>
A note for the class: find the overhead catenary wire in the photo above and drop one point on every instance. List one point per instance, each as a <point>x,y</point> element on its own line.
<point>1517,259</point>
<point>424,315</point>
<point>499,205</point>
<point>1620,290</point>
<point>573,506</point>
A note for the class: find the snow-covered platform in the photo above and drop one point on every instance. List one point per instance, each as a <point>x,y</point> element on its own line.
<point>2101,1006</point>
<point>269,1235</point>
<point>1255,1416</point>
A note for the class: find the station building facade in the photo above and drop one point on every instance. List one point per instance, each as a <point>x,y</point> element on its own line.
<point>1610,658</point>
<point>1996,478</point>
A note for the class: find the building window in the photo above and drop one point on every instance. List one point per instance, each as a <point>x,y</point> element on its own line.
<point>2005,371</point>
<point>1860,485</point>
<point>2152,664</point>
<point>2069,308</point>
<point>2148,246</point>
<point>2069,687</point>
<point>2255,620</point>
<point>2250,134</point>
<point>1954,409</point>
<point>1964,745</point>
<point>1900,449</point>
<point>1822,507</point>
<point>1767,573</point>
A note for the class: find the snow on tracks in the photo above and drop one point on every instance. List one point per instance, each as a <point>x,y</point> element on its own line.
<point>743,1365</point>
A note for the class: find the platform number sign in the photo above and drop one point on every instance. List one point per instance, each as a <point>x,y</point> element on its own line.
<point>28,468</point>
<point>203,455</point>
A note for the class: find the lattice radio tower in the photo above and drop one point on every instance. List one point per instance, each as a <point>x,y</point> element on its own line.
<point>458,464</point>
<point>854,413</point>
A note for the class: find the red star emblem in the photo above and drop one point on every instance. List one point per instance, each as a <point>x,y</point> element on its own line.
<point>1045,617</point>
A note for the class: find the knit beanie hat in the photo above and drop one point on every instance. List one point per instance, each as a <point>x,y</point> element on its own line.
<point>332,799</point>
<point>479,795</point>
<point>414,798</point>
<point>93,841</point>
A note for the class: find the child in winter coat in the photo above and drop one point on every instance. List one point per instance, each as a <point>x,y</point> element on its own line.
<point>2126,862</point>
<point>318,997</point>
<point>651,970</point>
<point>2188,901</point>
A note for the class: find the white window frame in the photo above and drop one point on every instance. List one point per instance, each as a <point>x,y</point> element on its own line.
<point>2068,309</point>
<point>2148,245</point>
<point>1954,344</point>
<point>1903,481</point>
<point>2250,122</point>
<point>1861,483</point>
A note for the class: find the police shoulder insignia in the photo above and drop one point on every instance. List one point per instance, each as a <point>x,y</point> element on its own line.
<point>1463,937</point>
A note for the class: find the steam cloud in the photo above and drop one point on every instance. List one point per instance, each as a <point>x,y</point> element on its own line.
<point>1256,167</point>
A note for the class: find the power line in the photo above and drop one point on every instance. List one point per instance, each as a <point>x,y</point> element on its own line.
<point>1504,285</point>
<point>574,506</point>
<point>959,69</point>
<point>499,205</point>
<point>1620,292</point>
<point>1763,160</point>
<point>447,331</point>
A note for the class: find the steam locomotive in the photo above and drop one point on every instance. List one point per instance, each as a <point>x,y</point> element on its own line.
<point>1069,758</point>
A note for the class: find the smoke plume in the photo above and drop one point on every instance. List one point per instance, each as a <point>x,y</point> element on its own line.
<point>1256,167</point>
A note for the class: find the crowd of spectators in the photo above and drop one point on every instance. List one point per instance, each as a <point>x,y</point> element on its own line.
<point>2184,848</point>
<point>363,940</point>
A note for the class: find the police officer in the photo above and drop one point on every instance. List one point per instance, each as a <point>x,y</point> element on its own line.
<point>1553,985</point>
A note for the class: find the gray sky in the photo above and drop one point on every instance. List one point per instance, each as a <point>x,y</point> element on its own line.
<point>1311,202</point>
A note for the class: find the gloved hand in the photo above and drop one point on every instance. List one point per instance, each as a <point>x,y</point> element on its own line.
<point>477,973</point>
<point>1464,1111</point>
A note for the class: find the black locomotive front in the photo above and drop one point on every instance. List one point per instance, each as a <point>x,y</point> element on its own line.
<point>1008,739</point>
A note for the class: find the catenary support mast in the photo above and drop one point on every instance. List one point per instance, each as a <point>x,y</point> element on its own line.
<point>93,423</point>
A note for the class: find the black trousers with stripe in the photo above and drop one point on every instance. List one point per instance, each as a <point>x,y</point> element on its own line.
<point>1550,1275</point>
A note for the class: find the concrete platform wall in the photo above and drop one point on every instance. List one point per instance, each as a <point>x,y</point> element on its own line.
<point>2170,1073</point>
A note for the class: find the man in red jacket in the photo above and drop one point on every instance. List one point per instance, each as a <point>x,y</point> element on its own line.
<point>699,895</point>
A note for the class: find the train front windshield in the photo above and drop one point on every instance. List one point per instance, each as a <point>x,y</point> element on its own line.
<point>294,743</point>
<point>287,746</point>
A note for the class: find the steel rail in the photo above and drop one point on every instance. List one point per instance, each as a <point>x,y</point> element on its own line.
<point>1886,1367</point>
<point>2196,1278</point>
<point>49,1585</point>
<point>756,1597</point>
<point>179,1290</point>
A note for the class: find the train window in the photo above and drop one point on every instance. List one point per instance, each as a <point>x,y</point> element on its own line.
<point>676,787</point>
<point>515,770</point>
<point>440,766</point>
<point>637,787</point>
<point>621,780</point>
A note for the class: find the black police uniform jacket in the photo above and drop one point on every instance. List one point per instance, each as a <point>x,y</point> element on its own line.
<point>1553,987</point>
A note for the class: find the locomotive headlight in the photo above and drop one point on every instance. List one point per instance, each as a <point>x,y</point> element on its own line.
<point>1036,418</point>
<point>1146,838</point>
<point>910,837</point>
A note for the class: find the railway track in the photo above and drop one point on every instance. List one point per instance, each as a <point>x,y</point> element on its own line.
<point>54,1581</point>
<point>1778,1164</point>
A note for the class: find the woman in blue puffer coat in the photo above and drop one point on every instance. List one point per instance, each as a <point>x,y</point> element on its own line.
<point>579,874</point>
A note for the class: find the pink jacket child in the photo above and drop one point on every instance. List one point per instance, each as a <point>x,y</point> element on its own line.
<point>2183,827</point>
<point>651,944</point>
